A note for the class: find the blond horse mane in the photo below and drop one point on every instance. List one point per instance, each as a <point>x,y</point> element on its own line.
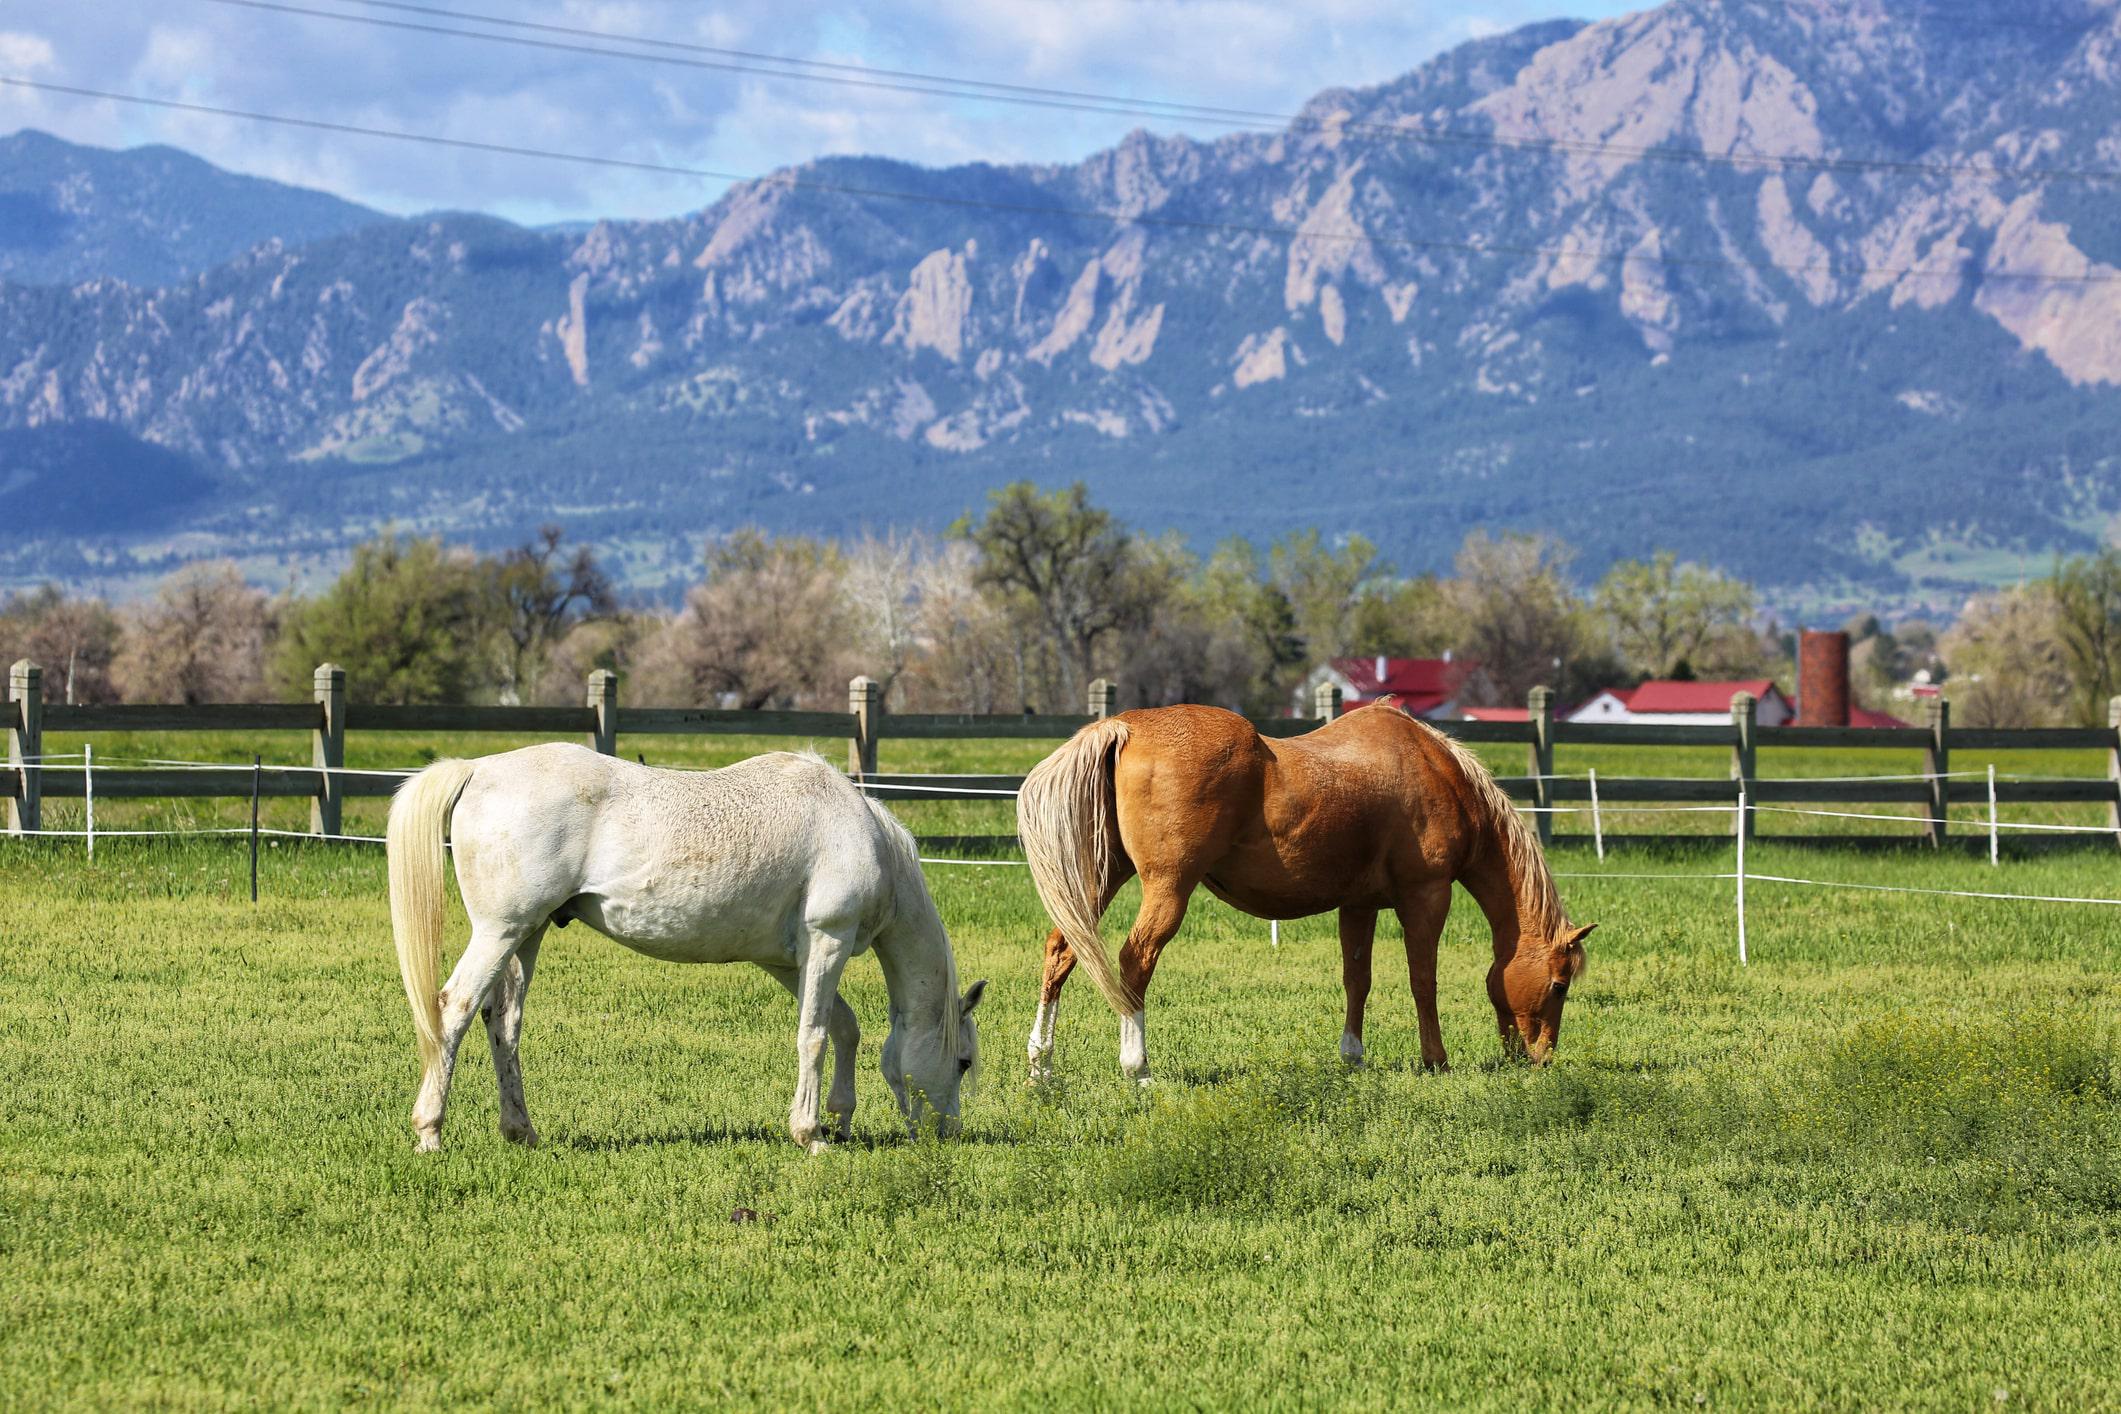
<point>1520,846</point>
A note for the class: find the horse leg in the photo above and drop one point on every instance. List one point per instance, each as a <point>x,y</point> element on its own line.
<point>1060,961</point>
<point>1421,918</point>
<point>504,1030</point>
<point>462,996</point>
<point>846,1033</point>
<point>830,945</point>
<point>1358,930</point>
<point>1163,909</point>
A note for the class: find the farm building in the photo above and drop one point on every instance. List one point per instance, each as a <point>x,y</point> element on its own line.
<point>1701,704</point>
<point>1426,687</point>
<point>1684,703</point>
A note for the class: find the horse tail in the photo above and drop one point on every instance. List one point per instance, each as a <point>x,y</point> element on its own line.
<point>419,897</point>
<point>1065,814</point>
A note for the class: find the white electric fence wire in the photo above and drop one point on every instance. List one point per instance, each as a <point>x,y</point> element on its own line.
<point>1930,820</point>
<point>1937,893</point>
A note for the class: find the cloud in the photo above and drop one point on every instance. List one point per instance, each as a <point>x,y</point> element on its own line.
<point>1257,54</point>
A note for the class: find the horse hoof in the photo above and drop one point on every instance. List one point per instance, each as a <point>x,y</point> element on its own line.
<point>819,1146</point>
<point>430,1142</point>
<point>526,1136</point>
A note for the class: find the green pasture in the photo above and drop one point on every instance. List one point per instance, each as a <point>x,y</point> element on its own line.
<point>1880,1167</point>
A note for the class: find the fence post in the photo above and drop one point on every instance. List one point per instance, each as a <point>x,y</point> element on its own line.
<point>604,708</point>
<point>327,750</point>
<point>865,699</point>
<point>1745,760</point>
<point>2113,764</point>
<point>25,746</point>
<point>1937,765</point>
<point>1104,698</point>
<point>1540,757</point>
<point>1325,701</point>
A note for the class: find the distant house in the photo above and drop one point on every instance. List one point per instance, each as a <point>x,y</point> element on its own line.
<point>1685,703</point>
<point>1426,687</point>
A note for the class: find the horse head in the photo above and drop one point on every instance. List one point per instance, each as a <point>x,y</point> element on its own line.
<point>929,1071</point>
<point>1530,989</point>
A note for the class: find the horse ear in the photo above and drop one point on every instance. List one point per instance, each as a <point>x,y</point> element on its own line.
<point>972,995</point>
<point>1580,934</point>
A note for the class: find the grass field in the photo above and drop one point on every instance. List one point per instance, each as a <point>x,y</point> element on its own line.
<point>1879,1167</point>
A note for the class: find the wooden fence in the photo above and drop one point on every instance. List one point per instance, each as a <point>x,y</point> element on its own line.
<point>328,717</point>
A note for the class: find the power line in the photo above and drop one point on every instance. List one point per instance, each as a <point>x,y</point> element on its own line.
<point>755,63</point>
<point>1072,213</point>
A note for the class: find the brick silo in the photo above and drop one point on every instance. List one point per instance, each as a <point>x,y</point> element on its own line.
<point>1823,679</point>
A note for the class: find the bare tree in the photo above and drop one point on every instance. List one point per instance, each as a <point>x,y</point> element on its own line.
<point>769,627</point>
<point>884,582</point>
<point>971,648</point>
<point>73,640</point>
<point>205,636</point>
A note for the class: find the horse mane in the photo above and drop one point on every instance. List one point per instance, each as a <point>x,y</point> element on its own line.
<point>909,889</point>
<point>1520,846</point>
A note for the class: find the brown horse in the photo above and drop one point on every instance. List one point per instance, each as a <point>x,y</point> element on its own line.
<point>1375,810</point>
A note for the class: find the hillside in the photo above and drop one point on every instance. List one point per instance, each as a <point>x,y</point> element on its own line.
<point>1823,371</point>
<point>147,216</point>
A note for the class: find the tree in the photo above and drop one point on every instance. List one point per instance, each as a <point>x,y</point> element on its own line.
<point>1661,612</point>
<point>1403,618</point>
<point>884,583</point>
<point>1519,620</point>
<point>769,627</point>
<point>73,640</point>
<point>541,593</point>
<point>2009,666</point>
<point>1066,565</point>
<point>1322,586</point>
<point>409,620</point>
<point>2087,597</point>
<point>972,650</point>
<point>1254,650</point>
<point>203,637</point>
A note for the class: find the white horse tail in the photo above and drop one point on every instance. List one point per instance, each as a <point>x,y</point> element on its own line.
<point>1065,814</point>
<point>419,897</point>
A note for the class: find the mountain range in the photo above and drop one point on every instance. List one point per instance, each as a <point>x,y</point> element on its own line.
<point>1827,294</point>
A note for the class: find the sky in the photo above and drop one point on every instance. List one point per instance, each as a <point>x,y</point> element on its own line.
<point>1263,55</point>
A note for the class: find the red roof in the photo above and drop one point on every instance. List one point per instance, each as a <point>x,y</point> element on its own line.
<point>1664,695</point>
<point>1862,717</point>
<point>1498,714</point>
<point>1420,684</point>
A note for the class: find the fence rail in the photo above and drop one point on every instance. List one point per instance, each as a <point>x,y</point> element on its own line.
<point>30,777</point>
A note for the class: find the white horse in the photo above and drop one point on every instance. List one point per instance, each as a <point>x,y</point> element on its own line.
<point>779,860</point>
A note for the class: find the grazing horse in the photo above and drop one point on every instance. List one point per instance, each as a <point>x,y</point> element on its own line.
<point>778,861</point>
<point>1375,810</point>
